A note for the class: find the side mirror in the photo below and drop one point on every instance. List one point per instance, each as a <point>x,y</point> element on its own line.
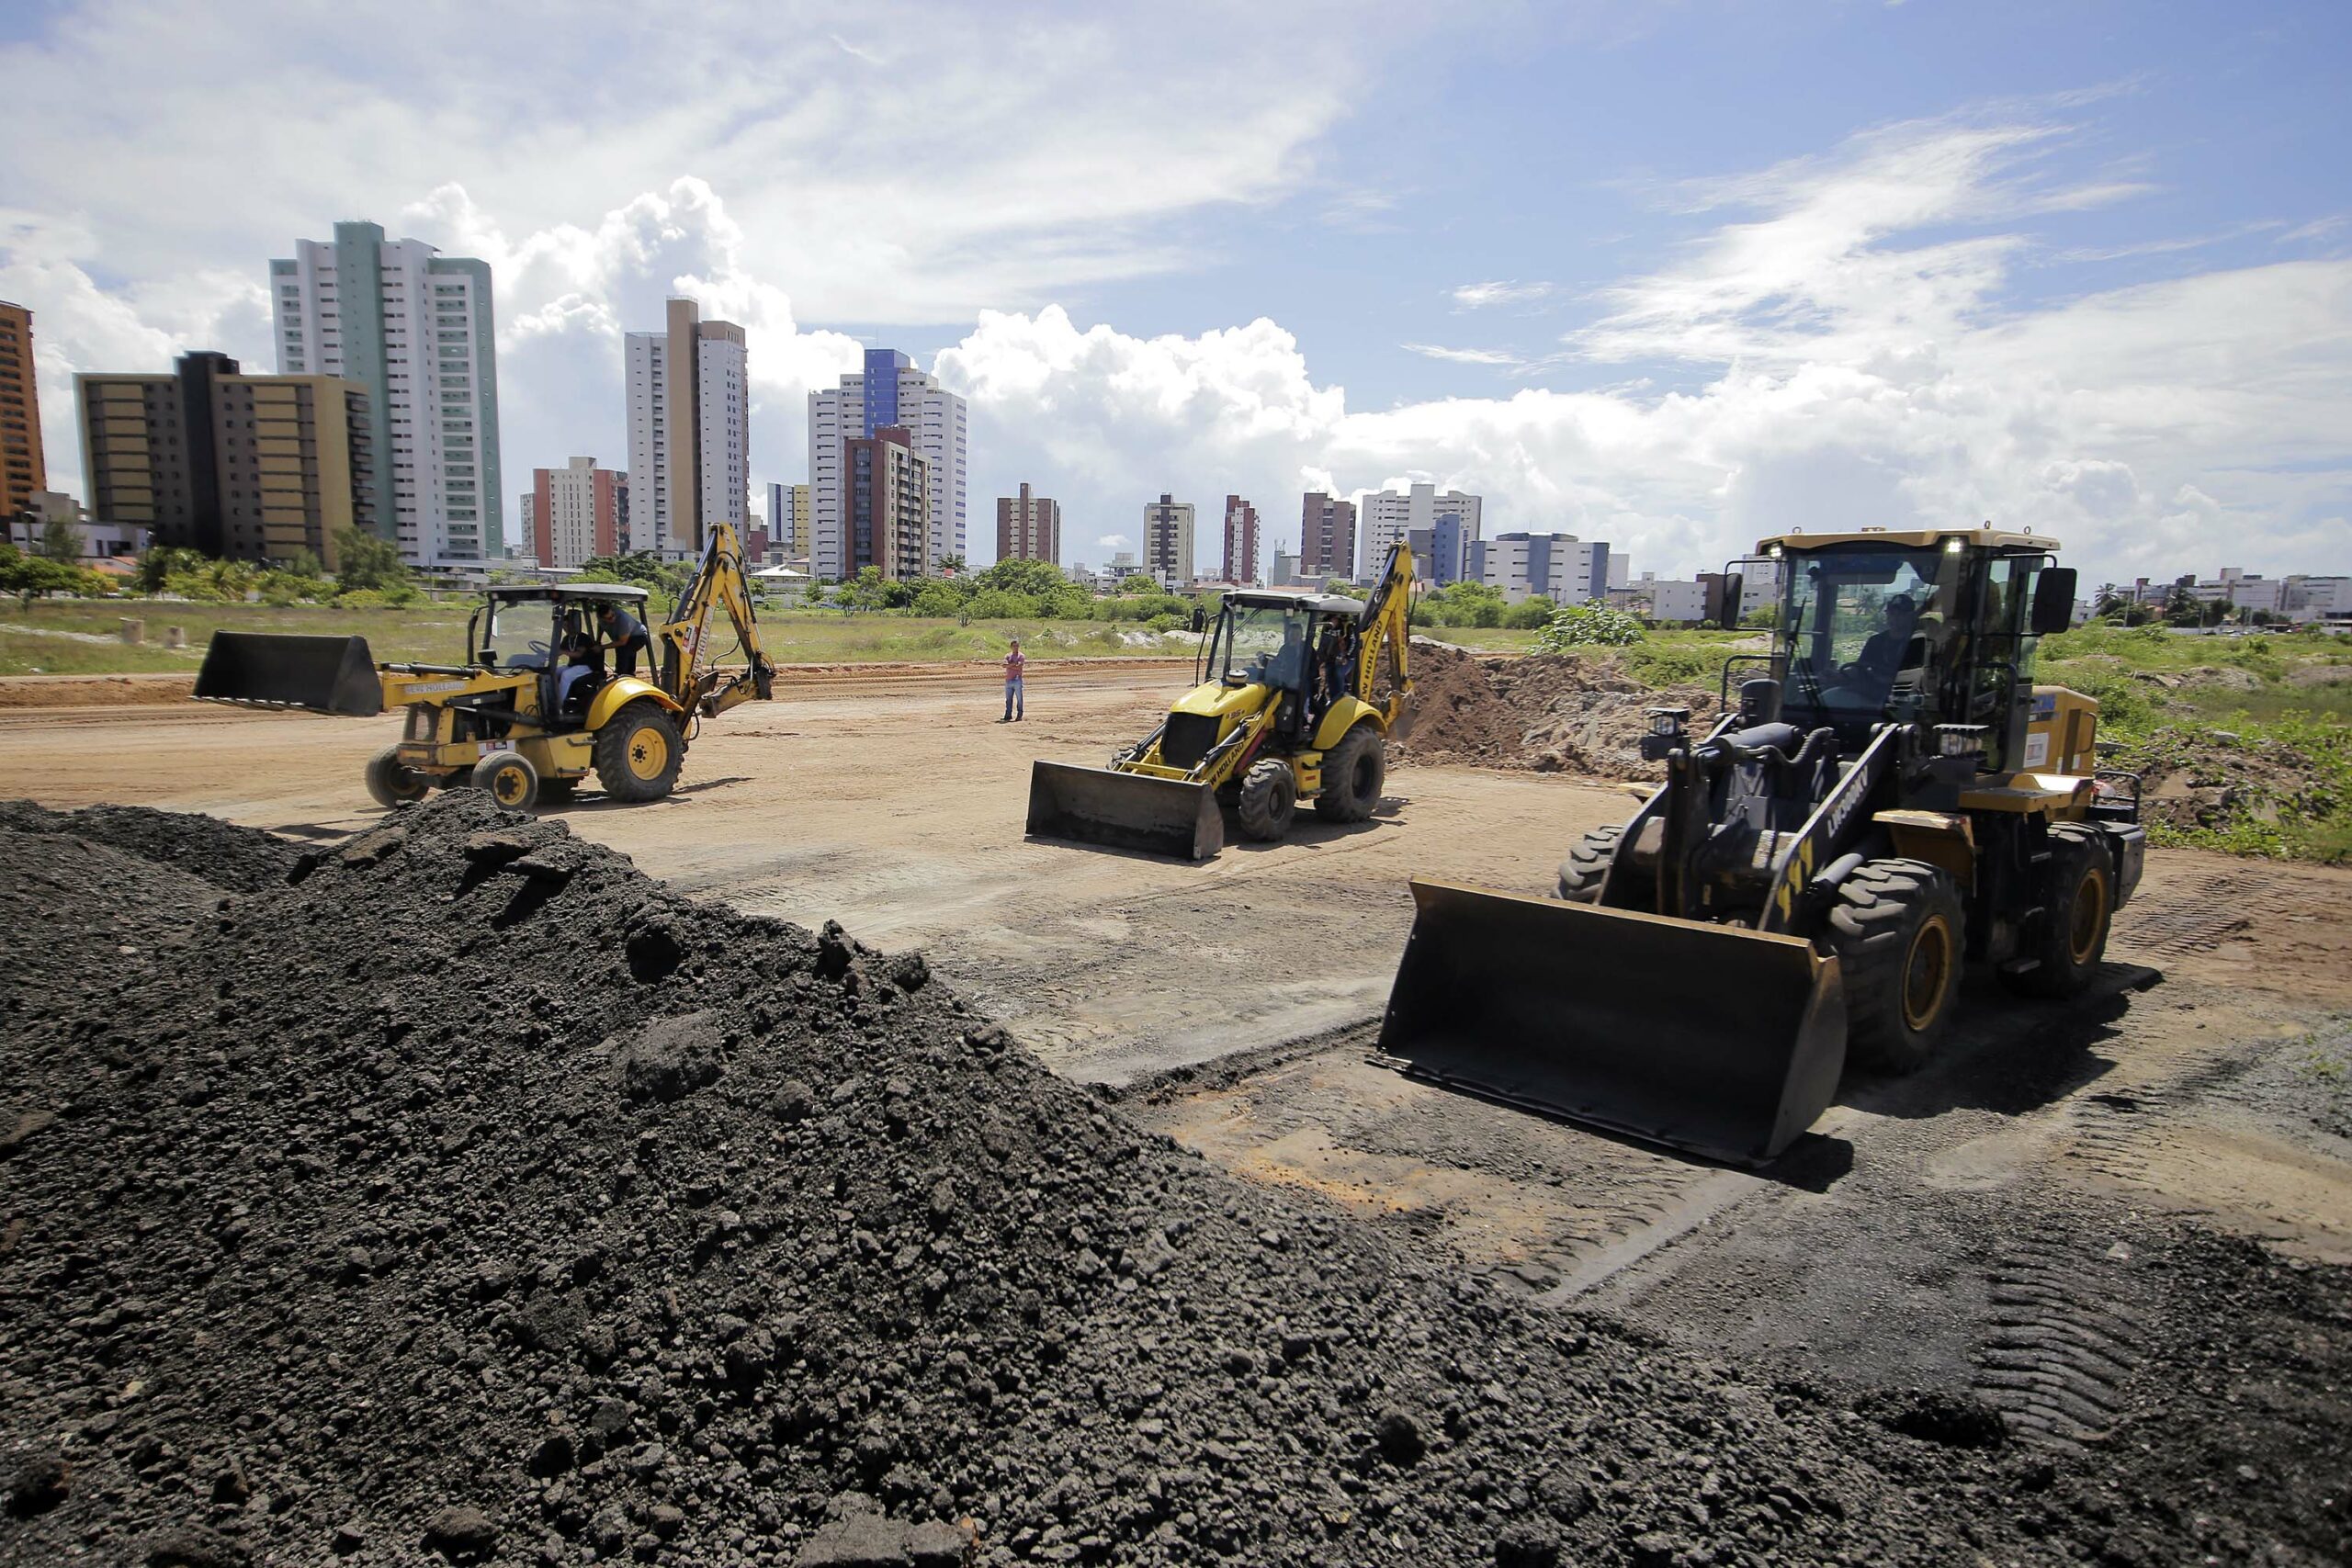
<point>2053,600</point>
<point>1733,589</point>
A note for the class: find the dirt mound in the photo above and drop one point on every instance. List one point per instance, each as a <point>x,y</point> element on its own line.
<point>93,691</point>
<point>241,859</point>
<point>1575,713</point>
<point>461,1194</point>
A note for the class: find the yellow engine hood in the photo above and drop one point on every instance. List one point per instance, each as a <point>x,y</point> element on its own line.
<point>1226,704</point>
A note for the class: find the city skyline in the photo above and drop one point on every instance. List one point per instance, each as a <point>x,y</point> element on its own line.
<point>2083,277</point>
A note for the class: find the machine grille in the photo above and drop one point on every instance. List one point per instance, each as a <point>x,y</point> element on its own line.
<point>1188,739</point>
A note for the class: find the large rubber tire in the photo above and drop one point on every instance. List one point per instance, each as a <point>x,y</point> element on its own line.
<point>1587,864</point>
<point>1898,931</point>
<point>1269,800</point>
<point>2079,904</point>
<point>1354,772</point>
<point>392,782</point>
<point>638,753</point>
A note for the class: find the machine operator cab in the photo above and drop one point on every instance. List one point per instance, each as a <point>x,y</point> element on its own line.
<point>1880,626</point>
<point>1300,645</point>
<point>551,631</point>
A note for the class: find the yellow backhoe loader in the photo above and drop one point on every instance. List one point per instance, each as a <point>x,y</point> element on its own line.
<point>1890,796</point>
<point>533,711</point>
<point>1300,691</point>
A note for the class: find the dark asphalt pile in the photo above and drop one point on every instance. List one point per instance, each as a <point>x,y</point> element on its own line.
<point>459,1193</point>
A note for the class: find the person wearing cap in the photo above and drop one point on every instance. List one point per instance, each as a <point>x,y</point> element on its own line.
<point>625,632</point>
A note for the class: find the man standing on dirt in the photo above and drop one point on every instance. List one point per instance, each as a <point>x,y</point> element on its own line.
<point>1012,708</point>
<point>624,632</point>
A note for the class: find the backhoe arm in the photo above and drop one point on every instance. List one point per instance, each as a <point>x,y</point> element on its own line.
<point>719,581</point>
<point>1384,626</point>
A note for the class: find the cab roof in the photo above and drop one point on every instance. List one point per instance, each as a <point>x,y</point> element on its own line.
<point>621,592</point>
<point>1797,541</point>
<point>1282,599</point>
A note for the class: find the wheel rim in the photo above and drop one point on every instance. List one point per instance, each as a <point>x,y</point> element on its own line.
<point>1927,974</point>
<point>2089,917</point>
<point>648,752</point>
<point>508,784</point>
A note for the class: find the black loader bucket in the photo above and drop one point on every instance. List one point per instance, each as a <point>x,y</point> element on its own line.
<point>325,674</point>
<point>1719,1041</point>
<point>1124,812</point>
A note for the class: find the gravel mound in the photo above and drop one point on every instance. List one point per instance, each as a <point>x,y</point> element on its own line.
<point>462,1195</point>
<point>1551,712</point>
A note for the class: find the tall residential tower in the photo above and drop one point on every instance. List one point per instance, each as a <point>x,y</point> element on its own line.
<point>1240,540</point>
<point>21,469</point>
<point>414,328</point>
<point>689,399</point>
<point>888,392</point>
<point>1028,527</point>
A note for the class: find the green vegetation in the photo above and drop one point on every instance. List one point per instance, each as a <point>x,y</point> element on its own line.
<point>2254,734</point>
<point>28,577</point>
<point>1593,624</point>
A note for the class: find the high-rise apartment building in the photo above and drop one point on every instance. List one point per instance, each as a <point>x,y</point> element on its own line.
<point>576,512</point>
<point>689,401</point>
<point>888,392</point>
<point>1028,527</point>
<point>22,471</point>
<point>415,328</point>
<point>1450,520</point>
<point>889,492</point>
<point>252,468</point>
<point>788,520</point>
<point>1327,537</point>
<point>1240,540</point>
<point>1168,541</point>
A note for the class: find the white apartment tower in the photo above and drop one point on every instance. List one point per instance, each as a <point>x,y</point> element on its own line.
<point>414,328</point>
<point>1385,517</point>
<point>888,392</point>
<point>689,397</point>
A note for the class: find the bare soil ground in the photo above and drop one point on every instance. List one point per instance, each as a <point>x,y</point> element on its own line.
<point>2125,1226</point>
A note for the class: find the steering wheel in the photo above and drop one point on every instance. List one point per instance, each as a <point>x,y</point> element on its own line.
<point>538,646</point>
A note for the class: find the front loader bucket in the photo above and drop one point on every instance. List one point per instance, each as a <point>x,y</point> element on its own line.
<point>325,674</point>
<point>1124,812</point>
<point>1714,1038</point>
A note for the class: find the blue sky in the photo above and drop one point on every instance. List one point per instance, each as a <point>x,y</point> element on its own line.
<point>1667,275</point>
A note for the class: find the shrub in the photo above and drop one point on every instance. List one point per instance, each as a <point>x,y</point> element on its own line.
<point>1530,614</point>
<point>1588,625</point>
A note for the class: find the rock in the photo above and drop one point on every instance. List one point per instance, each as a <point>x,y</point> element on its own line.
<point>39,1484</point>
<point>1527,1546</point>
<point>1937,1416</point>
<point>461,1534</point>
<point>869,1541</point>
<point>1398,1438</point>
<point>347,1539</point>
<point>191,1548</point>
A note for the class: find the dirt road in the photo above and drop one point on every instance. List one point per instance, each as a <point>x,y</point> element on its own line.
<point>891,800</point>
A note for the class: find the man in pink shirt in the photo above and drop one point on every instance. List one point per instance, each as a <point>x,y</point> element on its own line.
<point>1012,708</point>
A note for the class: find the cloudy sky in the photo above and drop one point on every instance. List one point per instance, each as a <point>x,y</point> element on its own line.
<point>1666,274</point>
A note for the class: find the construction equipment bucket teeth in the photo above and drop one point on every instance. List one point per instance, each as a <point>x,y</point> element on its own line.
<point>1719,1041</point>
<point>323,675</point>
<point>1124,812</point>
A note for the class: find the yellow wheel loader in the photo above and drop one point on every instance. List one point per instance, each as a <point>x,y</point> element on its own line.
<point>1300,691</point>
<point>1889,797</point>
<point>532,710</point>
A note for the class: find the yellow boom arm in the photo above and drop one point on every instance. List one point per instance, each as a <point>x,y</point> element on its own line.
<point>720,580</point>
<point>1384,627</point>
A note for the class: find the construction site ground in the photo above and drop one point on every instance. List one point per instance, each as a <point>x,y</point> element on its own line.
<point>2137,1209</point>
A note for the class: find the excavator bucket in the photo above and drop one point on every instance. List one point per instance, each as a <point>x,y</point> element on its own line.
<point>325,674</point>
<point>1124,812</point>
<point>1719,1041</point>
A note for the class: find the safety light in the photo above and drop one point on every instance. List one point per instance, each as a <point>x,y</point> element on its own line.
<point>1954,546</point>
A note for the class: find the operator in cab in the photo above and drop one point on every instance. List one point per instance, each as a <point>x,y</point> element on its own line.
<point>1288,670</point>
<point>1884,653</point>
<point>580,663</point>
<point>625,634</point>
